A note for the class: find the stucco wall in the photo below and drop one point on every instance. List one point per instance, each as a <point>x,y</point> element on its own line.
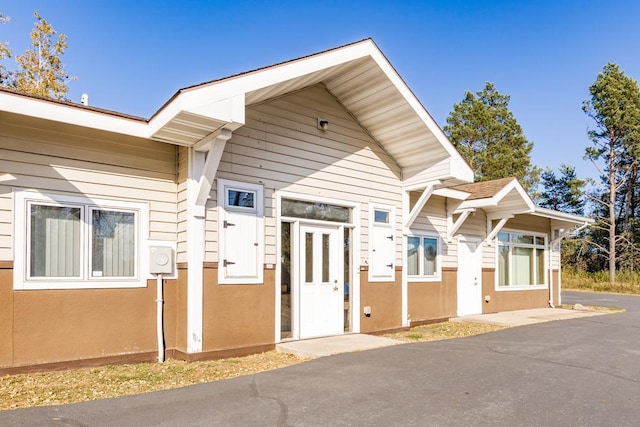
<point>433,300</point>
<point>41,326</point>
<point>385,300</point>
<point>510,300</point>
<point>237,316</point>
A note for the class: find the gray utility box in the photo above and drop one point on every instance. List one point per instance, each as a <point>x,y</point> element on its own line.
<point>160,260</point>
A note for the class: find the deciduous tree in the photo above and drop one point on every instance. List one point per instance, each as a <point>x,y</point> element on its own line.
<point>5,53</point>
<point>40,69</point>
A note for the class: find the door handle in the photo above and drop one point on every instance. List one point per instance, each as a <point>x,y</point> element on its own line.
<point>335,288</point>
<point>390,265</point>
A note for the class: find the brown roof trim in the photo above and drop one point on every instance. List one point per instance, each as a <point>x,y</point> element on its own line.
<point>74,105</point>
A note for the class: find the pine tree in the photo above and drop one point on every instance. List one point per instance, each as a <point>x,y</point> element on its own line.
<point>564,193</point>
<point>615,108</point>
<point>488,136</point>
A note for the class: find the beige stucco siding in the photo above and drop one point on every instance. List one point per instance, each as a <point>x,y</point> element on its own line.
<point>281,147</point>
<point>70,160</point>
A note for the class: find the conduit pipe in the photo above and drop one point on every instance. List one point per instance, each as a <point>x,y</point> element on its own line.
<point>160,317</point>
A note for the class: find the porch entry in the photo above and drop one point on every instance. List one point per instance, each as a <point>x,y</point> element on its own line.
<point>469,276</point>
<point>321,283</point>
<point>315,269</point>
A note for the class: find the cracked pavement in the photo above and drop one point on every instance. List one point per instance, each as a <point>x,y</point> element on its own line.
<point>568,373</point>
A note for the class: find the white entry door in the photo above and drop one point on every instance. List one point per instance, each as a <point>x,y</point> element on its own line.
<point>321,282</point>
<point>469,277</point>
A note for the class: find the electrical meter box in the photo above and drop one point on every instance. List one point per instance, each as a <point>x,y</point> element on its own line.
<point>160,260</point>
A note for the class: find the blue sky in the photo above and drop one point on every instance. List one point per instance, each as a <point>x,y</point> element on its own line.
<point>131,56</point>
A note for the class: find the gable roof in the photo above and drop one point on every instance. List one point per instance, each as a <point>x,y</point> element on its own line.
<point>358,75</point>
<point>498,196</point>
<point>506,197</point>
<point>484,189</point>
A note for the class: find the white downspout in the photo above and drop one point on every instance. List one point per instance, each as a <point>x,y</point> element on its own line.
<point>160,317</point>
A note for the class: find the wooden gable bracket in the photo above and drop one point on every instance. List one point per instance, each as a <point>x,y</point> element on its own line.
<point>492,233</point>
<point>453,227</point>
<point>427,190</point>
<point>216,141</point>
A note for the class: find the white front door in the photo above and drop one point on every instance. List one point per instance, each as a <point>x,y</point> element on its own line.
<point>469,277</point>
<point>321,282</point>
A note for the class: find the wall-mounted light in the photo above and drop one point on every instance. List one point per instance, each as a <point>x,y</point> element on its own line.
<point>323,124</point>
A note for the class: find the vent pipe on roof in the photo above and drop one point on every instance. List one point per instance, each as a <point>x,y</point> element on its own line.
<point>84,99</point>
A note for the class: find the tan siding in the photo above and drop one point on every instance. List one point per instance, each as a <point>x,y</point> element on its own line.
<point>183,162</point>
<point>476,225</point>
<point>57,158</point>
<point>281,148</point>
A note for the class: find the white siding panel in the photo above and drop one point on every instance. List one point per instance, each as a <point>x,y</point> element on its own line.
<point>52,157</point>
<point>281,148</point>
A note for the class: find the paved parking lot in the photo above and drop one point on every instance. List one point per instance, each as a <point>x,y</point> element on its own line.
<point>580,372</point>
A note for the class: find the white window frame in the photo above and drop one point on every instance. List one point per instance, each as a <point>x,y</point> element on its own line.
<point>421,277</point>
<point>391,226</point>
<point>534,246</point>
<point>22,231</point>
<point>258,210</point>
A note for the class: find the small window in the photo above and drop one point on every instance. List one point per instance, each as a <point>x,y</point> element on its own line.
<point>315,210</point>
<point>423,257</point>
<point>381,217</point>
<point>66,242</point>
<point>241,198</point>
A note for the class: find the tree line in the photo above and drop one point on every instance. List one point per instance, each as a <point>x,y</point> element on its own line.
<point>485,131</point>
<point>488,136</point>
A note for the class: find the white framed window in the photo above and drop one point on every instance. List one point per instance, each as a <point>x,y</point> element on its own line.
<point>69,242</point>
<point>240,232</point>
<point>424,260</point>
<point>382,246</point>
<point>521,260</point>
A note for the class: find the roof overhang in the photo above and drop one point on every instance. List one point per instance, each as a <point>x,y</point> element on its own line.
<point>562,220</point>
<point>70,113</point>
<point>358,75</point>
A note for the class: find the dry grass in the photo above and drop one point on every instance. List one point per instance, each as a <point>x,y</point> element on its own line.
<point>443,331</point>
<point>628,282</point>
<point>78,385</point>
<point>596,308</point>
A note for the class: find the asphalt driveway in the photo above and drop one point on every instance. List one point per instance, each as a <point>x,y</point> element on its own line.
<point>581,372</point>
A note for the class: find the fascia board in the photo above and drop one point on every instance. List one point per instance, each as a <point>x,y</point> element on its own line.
<point>451,193</point>
<point>412,100</point>
<point>235,88</point>
<point>478,203</point>
<point>561,216</point>
<point>514,185</point>
<point>46,110</point>
<point>260,79</point>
